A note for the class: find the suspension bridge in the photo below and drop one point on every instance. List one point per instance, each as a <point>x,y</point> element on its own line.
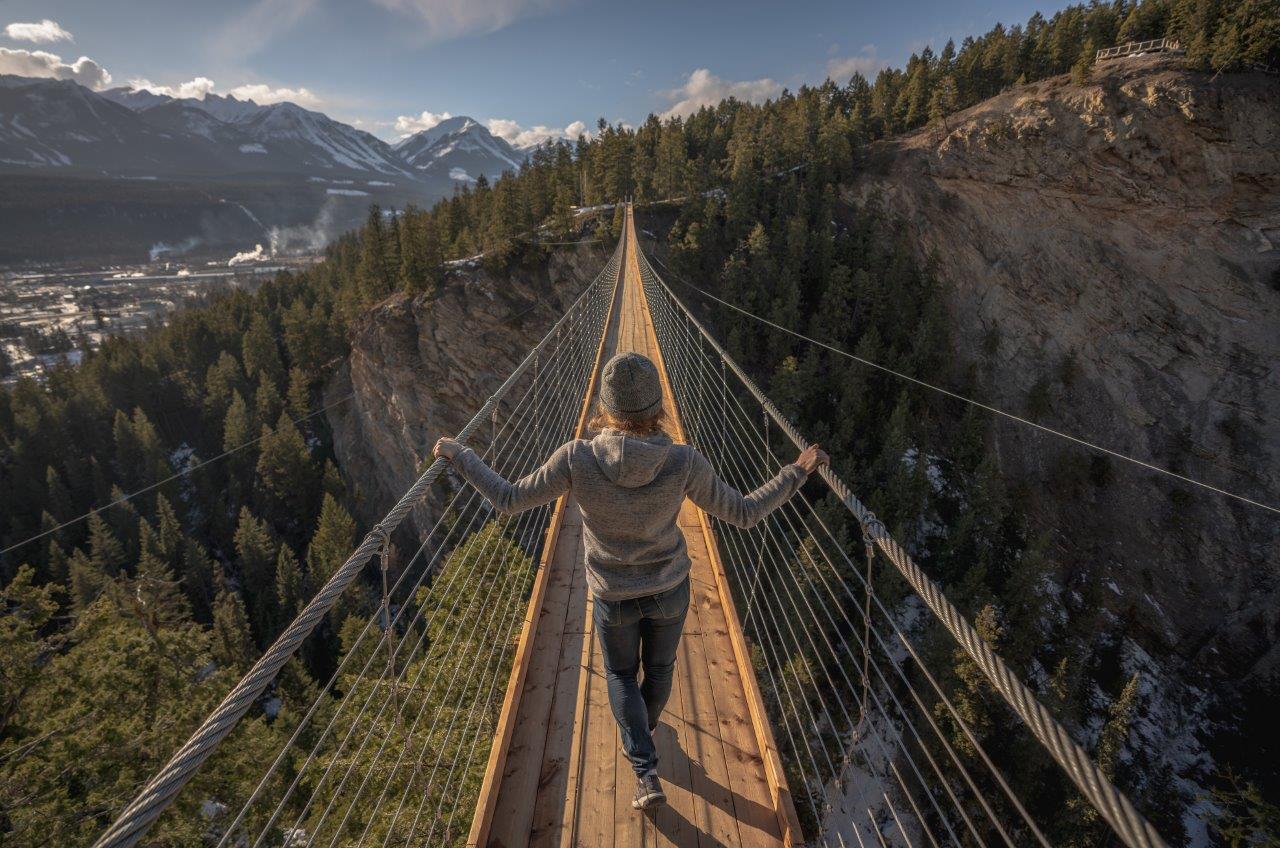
<point>471,707</point>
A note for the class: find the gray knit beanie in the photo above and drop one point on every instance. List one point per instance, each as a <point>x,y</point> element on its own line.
<point>631,387</point>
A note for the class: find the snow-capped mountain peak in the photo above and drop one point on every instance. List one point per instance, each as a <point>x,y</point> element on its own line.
<point>460,149</point>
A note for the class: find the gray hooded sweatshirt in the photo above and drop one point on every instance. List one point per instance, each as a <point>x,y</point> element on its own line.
<point>630,491</point>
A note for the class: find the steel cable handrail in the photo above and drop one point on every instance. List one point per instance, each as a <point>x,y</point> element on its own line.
<point>160,791</point>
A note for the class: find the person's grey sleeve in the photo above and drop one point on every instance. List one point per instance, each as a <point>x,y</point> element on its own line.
<point>706,489</point>
<point>545,484</point>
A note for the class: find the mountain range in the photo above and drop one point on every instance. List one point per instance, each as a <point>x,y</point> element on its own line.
<point>282,164</point>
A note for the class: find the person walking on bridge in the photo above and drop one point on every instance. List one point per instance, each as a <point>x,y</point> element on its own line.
<point>630,482</point>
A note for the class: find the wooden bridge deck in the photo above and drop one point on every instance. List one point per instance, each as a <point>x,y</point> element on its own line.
<point>557,775</point>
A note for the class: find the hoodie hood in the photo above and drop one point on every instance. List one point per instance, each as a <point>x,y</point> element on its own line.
<point>630,461</point>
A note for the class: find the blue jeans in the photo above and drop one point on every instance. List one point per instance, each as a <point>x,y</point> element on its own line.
<point>634,634</point>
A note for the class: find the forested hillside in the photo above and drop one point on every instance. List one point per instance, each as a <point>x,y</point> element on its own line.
<point>121,631</point>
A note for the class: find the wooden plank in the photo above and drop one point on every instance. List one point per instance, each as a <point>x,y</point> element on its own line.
<point>674,823</point>
<point>578,747</point>
<point>486,803</point>
<point>708,769</point>
<point>629,823</point>
<point>753,800</point>
<point>553,772</point>
<point>784,806</point>
<point>596,790</point>
<point>518,791</point>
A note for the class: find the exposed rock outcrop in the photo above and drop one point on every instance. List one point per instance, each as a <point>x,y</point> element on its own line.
<point>419,368</point>
<point>1112,254</point>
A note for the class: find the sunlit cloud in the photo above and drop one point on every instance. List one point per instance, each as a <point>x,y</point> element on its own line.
<point>410,124</point>
<point>38,63</point>
<point>525,137</point>
<point>264,94</point>
<point>866,62</point>
<point>44,32</point>
<point>197,88</point>
<point>704,88</point>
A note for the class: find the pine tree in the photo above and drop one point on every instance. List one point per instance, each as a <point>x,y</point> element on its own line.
<point>261,355</point>
<point>332,481</point>
<point>25,641</point>
<point>299,395</point>
<point>238,426</point>
<point>55,570</point>
<point>286,477</point>
<point>169,535</point>
<point>1082,70</point>
<point>374,276</point>
<point>222,379</point>
<point>106,553</point>
<point>85,581</point>
<point>57,499</point>
<point>943,102</point>
<point>289,587</point>
<point>256,559</point>
<point>332,542</point>
<point>267,403</point>
<point>198,579</point>
<point>232,642</point>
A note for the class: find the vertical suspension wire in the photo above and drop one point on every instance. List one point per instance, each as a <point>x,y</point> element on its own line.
<point>458,526</point>
<point>681,347</point>
<point>1114,806</point>
<point>927,755</point>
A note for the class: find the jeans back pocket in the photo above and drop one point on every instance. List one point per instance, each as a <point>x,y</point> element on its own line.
<point>674,602</point>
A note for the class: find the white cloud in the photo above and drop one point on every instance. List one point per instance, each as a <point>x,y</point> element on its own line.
<point>260,93</point>
<point>37,63</point>
<point>246,34</point>
<point>45,32</point>
<point>264,94</point>
<point>410,124</point>
<point>524,137</point>
<point>445,19</point>
<point>704,88</point>
<point>867,63</point>
<point>197,88</point>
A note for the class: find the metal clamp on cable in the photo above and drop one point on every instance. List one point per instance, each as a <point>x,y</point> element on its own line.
<point>380,534</point>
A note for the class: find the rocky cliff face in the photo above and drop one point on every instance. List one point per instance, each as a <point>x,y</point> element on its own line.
<point>419,369</point>
<point>1112,253</point>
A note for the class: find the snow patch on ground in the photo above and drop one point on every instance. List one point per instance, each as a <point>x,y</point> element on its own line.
<point>252,148</point>
<point>469,262</point>
<point>1169,724</point>
<point>347,192</point>
<point>858,814</point>
<point>461,175</point>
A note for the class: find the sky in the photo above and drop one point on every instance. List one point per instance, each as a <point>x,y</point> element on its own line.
<point>529,69</point>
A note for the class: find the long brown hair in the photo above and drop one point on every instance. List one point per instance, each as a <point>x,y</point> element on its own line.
<point>639,427</point>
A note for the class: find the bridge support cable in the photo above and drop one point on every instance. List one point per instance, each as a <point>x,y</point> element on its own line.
<point>796,530</point>
<point>1133,829</point>
<point>525,456</point>
<point>585,319</point>
<point>464,512</point>
<point>773,546</point>
<point>803,598</point>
